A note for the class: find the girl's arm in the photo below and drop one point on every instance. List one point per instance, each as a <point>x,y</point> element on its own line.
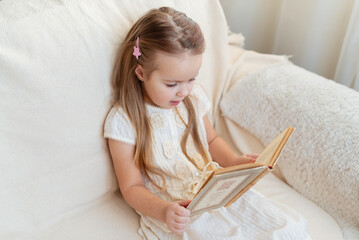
<point>221,152</point>
<point>137,196</point>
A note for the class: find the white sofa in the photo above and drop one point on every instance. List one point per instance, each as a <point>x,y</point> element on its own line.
<point>56,175</point>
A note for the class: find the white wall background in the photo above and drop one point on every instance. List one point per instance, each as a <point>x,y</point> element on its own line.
<point>315,32</point>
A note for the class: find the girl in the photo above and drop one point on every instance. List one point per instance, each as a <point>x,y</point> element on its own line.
<point>162,143</point>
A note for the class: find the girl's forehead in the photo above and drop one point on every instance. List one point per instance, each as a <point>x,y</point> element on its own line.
<point>181,66</point>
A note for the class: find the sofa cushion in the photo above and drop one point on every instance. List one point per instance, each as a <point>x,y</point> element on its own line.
<point>55,92</point>
<point>107,218</point>
<point>55,65</point>
<point>320,224</point>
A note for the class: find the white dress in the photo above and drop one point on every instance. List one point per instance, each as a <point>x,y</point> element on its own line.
<point>250,217</point>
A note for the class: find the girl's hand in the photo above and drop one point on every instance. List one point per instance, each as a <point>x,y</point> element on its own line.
<point>247,158</point>
<point>178,217</point>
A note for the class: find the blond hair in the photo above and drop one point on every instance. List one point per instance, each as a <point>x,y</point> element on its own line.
<point>160,30</point>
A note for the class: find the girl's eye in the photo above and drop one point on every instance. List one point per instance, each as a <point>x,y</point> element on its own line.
<point>175,84</point>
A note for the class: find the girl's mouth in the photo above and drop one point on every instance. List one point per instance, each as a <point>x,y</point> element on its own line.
<point>174,103</point>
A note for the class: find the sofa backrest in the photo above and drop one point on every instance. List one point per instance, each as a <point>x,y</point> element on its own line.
<point>55,63</point>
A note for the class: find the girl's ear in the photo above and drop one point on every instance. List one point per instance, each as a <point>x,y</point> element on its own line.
<point>140,72</point>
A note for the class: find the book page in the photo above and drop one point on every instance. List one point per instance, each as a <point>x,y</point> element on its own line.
<point>221,188</point>
<point>220,191</point>
<point>271,152</point>
<point>267,154</point>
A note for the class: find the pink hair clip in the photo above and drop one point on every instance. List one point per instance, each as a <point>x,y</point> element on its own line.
<point>136,49</point>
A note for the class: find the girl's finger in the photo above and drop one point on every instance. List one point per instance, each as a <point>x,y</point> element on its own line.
<point>252,155</point>
<point>180,219</point>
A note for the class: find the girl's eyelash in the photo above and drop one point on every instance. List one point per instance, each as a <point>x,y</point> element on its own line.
<point>175,84</point>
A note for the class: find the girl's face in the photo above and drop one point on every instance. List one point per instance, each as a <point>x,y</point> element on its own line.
<point>172,80</point>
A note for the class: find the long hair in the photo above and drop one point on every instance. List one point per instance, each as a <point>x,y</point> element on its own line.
<point>160,30</point>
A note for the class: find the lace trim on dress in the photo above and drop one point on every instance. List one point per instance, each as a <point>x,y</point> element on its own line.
<point>120,139</point>
<point>169,149</point>
<point>157,121</point>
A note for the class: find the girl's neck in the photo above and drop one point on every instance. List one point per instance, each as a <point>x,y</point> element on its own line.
<point>158,108</point>
<point>148,101</point>
<point>152,105</point>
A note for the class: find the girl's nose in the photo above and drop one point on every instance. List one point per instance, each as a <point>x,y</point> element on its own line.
<point>183,91</point>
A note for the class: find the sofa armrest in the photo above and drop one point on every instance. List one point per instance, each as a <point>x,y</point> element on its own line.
<point>321,159</point>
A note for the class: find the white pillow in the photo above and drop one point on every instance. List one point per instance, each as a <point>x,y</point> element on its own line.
<point>321,160</point>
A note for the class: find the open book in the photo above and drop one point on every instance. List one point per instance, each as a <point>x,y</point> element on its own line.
<point>225,185</point>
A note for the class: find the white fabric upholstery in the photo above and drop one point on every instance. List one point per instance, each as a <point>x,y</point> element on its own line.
<point>320,224</point>
<point>107,218</point>
<point>56,176</point>
<point>56,58</point>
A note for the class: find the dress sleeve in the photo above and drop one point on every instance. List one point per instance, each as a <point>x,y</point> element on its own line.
<point>119,127</point>
<point>200,100</point>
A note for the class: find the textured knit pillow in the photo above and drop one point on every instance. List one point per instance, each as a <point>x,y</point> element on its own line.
<point>321,160</point>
